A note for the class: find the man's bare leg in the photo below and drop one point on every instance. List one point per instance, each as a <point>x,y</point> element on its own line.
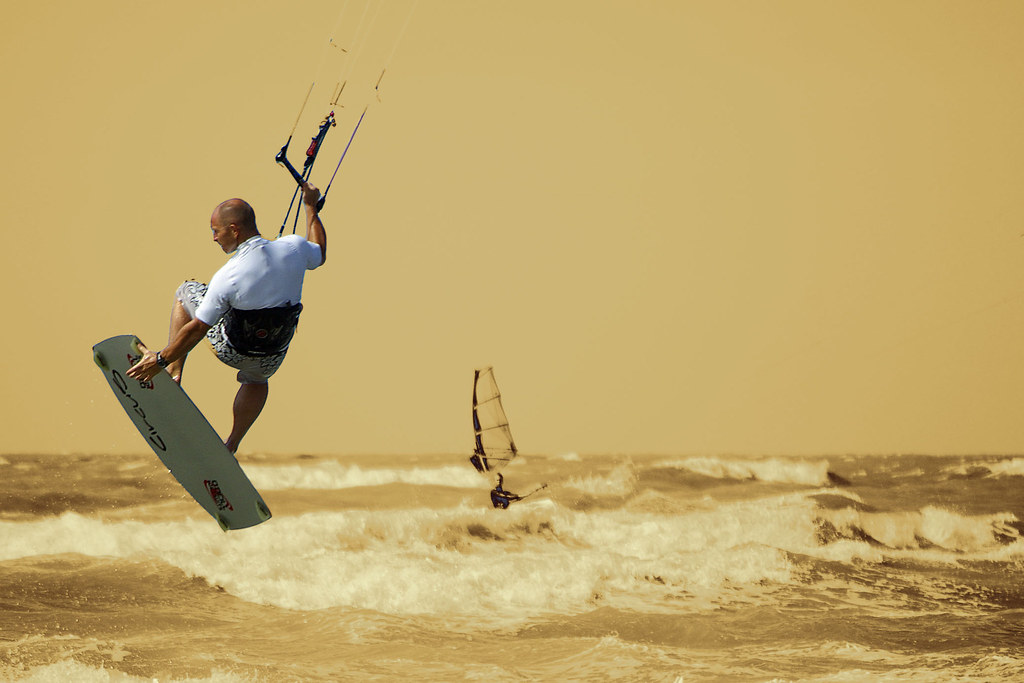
<point>179,317</point>
<point>249,402</point>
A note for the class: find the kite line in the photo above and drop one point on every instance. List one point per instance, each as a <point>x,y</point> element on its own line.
<point>347,49</point>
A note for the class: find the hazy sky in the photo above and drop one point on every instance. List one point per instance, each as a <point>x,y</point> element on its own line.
<point>672,227</point>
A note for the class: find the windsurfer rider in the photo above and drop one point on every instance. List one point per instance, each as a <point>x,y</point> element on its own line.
<point>500,498</point>
<point>250,308</point>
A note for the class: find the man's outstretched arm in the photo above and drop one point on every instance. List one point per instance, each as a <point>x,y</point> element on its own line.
<point>186,339</point>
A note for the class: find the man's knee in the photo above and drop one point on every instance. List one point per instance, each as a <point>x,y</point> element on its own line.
<point>186,289</point>
<point>190,294</point>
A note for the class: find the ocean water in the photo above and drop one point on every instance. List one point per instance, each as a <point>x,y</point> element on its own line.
<point>677,569</point>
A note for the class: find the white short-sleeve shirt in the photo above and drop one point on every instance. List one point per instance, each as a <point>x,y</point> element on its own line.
<point>260,274</point>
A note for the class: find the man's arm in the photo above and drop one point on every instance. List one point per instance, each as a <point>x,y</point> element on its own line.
<point>315,232</point>
<point>186,339</point>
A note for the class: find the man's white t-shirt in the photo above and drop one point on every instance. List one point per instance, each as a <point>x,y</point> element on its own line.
<point>260,274</point>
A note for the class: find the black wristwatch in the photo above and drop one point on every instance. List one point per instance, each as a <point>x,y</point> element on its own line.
<point>160,360</point>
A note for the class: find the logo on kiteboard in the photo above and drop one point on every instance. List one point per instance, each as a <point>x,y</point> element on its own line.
<point>219,499</point>
<point>132,405</point>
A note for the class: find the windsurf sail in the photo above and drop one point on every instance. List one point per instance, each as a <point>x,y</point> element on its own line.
<point>494,445</point>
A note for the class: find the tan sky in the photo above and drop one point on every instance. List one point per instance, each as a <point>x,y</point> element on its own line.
<point>672,227</point>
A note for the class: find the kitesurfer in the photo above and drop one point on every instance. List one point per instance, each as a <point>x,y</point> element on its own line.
<point>500,498</point>
<point>250,308</point>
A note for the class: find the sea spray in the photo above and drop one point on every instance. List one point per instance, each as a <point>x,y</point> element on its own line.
<point>389,567</point>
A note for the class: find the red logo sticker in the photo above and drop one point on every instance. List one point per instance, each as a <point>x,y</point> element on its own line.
<point>219,499</point>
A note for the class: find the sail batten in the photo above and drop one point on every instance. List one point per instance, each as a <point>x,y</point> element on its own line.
<point>494,447</point>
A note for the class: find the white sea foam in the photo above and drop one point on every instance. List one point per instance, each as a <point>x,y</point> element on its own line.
<point>775,470</point>
<point>334,475</point>
<point>526,560</point>
<point>1008,468</point>
<point>1012,467</point>
<point>621,481</point>
<point>660,579</point>
<point>932,528</point>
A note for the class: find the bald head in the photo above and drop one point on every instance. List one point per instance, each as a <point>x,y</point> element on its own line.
<point>237,212</point>
<point>232,223</point>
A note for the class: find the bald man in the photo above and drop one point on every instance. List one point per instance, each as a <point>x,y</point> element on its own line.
<point>250,308</point>
<point>500,498</point>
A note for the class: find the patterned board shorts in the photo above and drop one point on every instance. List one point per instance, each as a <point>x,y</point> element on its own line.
<point>251,369</point>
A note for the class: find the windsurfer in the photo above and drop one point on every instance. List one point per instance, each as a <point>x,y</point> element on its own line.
<point>500,498</point>
<point>250,308</point>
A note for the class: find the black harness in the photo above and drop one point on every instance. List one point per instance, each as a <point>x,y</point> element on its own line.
<point>263,331</point>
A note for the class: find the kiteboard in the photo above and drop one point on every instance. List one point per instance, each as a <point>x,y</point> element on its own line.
<point>181,437</point>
